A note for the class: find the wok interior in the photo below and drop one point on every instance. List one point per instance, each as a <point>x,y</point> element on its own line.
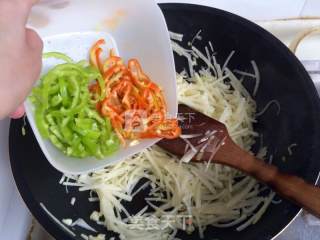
<point>282,79</point>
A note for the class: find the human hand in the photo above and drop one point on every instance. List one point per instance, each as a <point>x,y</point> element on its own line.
<point>20,56</point>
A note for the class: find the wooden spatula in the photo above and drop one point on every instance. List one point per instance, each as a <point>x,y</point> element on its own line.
<point>205,139</point>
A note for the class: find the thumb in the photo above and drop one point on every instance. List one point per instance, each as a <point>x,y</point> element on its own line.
<point>34,46</point>
<point>34,41</point>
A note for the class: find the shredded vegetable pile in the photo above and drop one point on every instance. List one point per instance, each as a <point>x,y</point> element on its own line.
<point>79,107</point>
<point>134,104</point>
<point>188,197</point>
<point>65,112</point>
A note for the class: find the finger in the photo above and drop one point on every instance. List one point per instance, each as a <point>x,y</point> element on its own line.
<point>35,45</point>
<point>19,113</point>
<point>16,12</point>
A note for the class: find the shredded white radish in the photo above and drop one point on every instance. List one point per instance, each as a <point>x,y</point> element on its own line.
<point>293,145</point>
<point>183,52</point>
<point>98,237</point>
<point>81,223</point>
<point>257,74</point>
<point>189,155</point>
<point>73,201</point>
<point>270,159</point>
<point>268,105</point>
<point>62,179</point>
<point>67,221</point>
<point>276,201</point>
<point>190,136</point>
<point>57,221</point>
<point>191,196</point>
<point>176,36</point>
<point>196,37</point>
<point>228,59</point>
<point>244,73</point>
<point>84,236</point>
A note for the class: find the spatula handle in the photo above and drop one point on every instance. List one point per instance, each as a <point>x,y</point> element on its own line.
<point>291,187</point>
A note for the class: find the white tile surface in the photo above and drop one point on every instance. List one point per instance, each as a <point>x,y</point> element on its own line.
<point>14,216</point>
<point>6,183</point>
<point>311,8</point>
<point>254,9</point>
<point>18,219</point>
<point>286,31</point>
<point>299,230</point>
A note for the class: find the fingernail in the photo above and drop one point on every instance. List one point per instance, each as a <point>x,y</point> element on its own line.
<point>19,113</point>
